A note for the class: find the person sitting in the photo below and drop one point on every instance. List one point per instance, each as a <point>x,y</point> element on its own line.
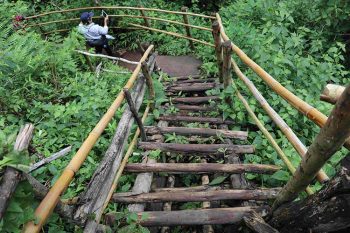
<point>94,34</point>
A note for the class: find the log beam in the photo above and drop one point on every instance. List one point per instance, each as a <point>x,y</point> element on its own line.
<point>211,120</point>
<point>204,132</point>
<point>192,87</point>
<point>195,100</point>
<point>199,168</point>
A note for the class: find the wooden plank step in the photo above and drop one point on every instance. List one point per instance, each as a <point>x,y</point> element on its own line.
<point>195,100</point>
<point>199,108</point>
<point>204,132</point>
<point>215,195</point>
<point>193,87</point>
<point>200,168</point>
<point>198,188</point>
<point>216,149</point>
<point>196,76</point>
<point>211,120</point>
<point>204,80</point>
<point>214,216</point>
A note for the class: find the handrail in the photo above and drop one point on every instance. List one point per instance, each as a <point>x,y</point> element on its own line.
<point>287,131</point>
<point>173,34</point>
<point>48,204</point>
<point>121,8</point>
<point>309,111</point>
<point>269,137</point>
<point>120,16</point>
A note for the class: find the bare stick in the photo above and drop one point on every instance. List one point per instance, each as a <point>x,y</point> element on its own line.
<point>188,30</point>
<point>134,112</point>
<point>50,159</point>
<point>105,56</point>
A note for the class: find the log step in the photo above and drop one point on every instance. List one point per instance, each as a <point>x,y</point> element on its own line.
<point>202,168</point>
<point>199,108</point>
<point>211,120</point>
<point>195,100</point>
<point>183,196</point>
<point>187,189</point>
<point>197,80</point>
<point>195,76</point>
<point>193,87</point>
<point>217,149</point>
<point>214,216</point>
<point>204,132</point>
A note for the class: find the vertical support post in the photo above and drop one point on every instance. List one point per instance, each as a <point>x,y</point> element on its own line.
<point>134,113</point>
<point>88,61</point>
<point>188,31</point>
<point>144,16</point>
<point>226,67</point>
<point>149,82</point>
<point>218,48</point>
<point>330,139</point>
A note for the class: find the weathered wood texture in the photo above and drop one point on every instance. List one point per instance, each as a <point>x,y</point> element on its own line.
<point>11,176</point>
<point>331,93</point>
<point>197,148</point>
<point>330,139</point>
<point>187,189</point>
<point>92,199</point>
<point>50,159</point>
<point>218,48</point>
<point>194,108</point>
<point>255,194</point>
<point>192,87</point>
<point>194,80</point>
<point>198,168</point>
<point>195,217</point>
<point>197,131</point>
<point>195,100</point>
<point>226,66</point>
<point>257,224</point>
<point>326,211</point>
<point>187,28</point>
<point>147,74</point>
<point>211,120</point>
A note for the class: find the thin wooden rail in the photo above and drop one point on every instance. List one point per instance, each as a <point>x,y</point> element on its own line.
<point>47,205</point>
<point>172,34</point>
<point>120,8</point>
<point>69,29</point>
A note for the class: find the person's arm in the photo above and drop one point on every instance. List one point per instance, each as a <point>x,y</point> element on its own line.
<point>104,30</point>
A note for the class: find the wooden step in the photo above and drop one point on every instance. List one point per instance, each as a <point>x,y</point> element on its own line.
<point>213,149</point>
<point>212,216</point>
<point>183,196</point>
<point>195,76</point>
<point>187,189</point>
<point>193,87</point>
<point>197,80</point>
<point>197,108</point>
<point>204,132</point>
<point>211,120</point>
<point>202,168</point>
<point>195,100</point>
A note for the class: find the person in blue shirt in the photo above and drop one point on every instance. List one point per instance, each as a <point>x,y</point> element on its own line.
<point>94,34</point>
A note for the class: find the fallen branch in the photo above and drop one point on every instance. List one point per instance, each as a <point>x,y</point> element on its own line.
<point>106,56</point>
<point>50,159</point>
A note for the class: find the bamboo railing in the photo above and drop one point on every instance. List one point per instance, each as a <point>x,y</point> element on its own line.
<point>47,205</point>
<point>186,24</point>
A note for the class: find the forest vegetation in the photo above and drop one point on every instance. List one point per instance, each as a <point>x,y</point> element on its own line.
<point>302,44</point>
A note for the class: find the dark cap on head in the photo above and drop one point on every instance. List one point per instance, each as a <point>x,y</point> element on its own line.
<point>85,16</point>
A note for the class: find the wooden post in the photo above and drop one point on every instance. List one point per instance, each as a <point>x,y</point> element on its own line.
<point>330,139</point>
<point>149,82</point>
<point>188,31</point>
<point>226,67</point>
<point>88,61</point>
<point>12,176</point>
<point>134,112</point>
<point>218,48</point>
<point>145,19</point>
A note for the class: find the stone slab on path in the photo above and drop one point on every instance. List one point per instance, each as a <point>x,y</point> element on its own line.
<point>174,66</point>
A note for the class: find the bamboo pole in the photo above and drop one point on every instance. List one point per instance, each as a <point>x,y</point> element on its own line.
<point>269,137</point>
<point>218,48</point>
<point>125,16</point>
<point>149,82</point>
<point>188,30</point>
<point>47,205</point>
<point>330,139</point>
<point>172,34</point>
<point>287,131</point>
<point>106,56</point>
<point>119,8</point>
<point>303,107</point>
